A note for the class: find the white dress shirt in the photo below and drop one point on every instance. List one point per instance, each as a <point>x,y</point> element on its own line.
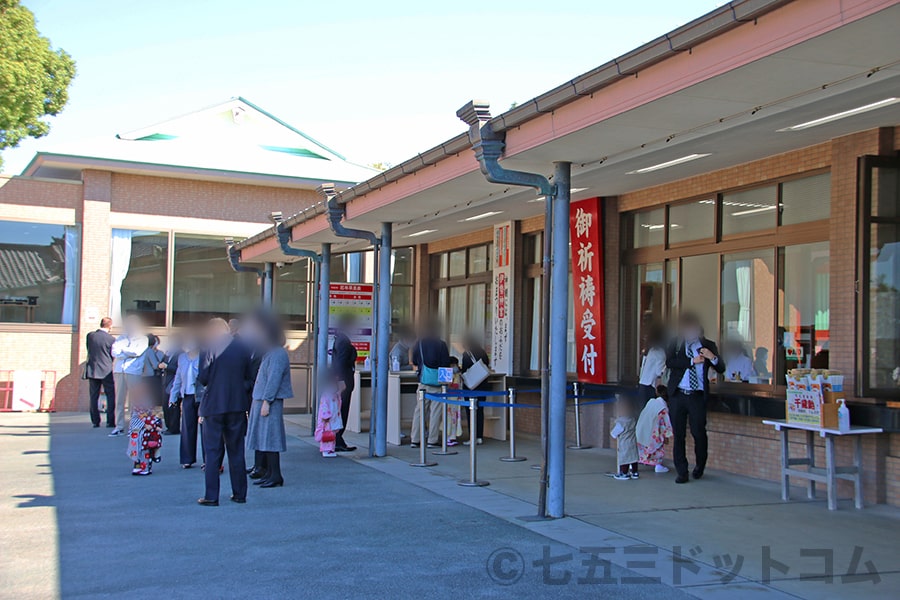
<point>128,354</point>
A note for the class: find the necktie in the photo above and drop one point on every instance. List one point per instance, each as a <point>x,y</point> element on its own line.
<point>693,378</point>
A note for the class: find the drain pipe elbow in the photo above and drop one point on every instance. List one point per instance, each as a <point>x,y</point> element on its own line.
<point>336,213</point>
<point>284,240</point>
<point>234,259</point>
<point>489,145</point>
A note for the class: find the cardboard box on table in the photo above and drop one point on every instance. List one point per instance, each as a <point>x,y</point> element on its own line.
<point>814,401</point>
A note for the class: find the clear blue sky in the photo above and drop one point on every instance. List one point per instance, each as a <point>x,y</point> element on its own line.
<point>377,81</point>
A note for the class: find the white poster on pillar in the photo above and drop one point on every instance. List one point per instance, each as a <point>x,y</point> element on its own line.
<point>501,343</point>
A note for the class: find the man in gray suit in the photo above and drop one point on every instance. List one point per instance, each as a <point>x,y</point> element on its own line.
<point>98,370</point>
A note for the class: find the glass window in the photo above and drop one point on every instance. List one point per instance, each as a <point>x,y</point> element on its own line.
<point>338,272</point>
<point>402,265</point>
<point>748,319</point>
<point>533,287</point>
<point>402,305</point>
<point>456,321</point>
<point>38,272</point>
<point>751,210</point>
<point>205,286</point>
<point>439,265</point>
<point>293,292</point>
<point>884,306</point>
<point>457,263</point>
<point>802,337</point>
<point>140,261</point>
<point>534,248</point>
<point>698,289</point>
<point>886,192</point>
<point>807,199</point>
<point>649,228</point>
<point>478,259</point>
<point>692,221</point>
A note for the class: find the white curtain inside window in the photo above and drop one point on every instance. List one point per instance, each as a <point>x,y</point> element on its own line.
<point>120,260</point>
<point>743,277</point>
<point>534,362</point>
<point>70,291</point>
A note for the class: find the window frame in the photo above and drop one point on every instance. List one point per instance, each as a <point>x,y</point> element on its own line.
<point>865,166</point>
<point>773,239</point>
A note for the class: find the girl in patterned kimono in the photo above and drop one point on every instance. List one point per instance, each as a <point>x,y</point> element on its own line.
<point>144,433</point>
<point>653,428</point>
<point>328,419</point>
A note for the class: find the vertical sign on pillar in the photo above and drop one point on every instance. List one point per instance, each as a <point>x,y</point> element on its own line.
<point>356,299</point>
<point>586,235</point>
<point>501,326</point>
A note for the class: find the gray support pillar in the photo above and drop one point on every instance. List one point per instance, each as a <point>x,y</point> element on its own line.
<point>322,313</point>
<point>383,340</point>
<point>267,283</point>
<point>559,315</point>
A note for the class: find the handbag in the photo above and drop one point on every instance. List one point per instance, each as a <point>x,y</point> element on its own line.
<point>430,375</point>
<point>328,436</point>
<point>476,374</point>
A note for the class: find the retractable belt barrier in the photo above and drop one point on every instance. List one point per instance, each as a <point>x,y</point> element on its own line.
<point>472,399</point>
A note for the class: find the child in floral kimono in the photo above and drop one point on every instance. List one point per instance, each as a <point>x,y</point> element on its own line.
<point>328,419</point>
<point>454,414</point>
<point>144,432</point>
<point>626,444</point>
<point>653,428</point>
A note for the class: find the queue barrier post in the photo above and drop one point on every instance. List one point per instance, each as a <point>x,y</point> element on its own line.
<point>423,460</point>
<point>512,430</point>
<point>446,412</point>
<point>578,445</point>
<point>473,479</point>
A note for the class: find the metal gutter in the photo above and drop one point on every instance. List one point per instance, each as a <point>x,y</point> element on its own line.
<point>682,39</point>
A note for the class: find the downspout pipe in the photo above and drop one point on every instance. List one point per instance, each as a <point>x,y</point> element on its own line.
<point>284,240</point>
<point>234,259</point>
<point>489,146</point>
<point>336,213</point>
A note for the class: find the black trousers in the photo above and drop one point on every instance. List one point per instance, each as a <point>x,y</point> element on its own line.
<point>479,421</point>
<point>109,388</point>
<point>345,414</point>
<point>189,407</point>
<point>221,434</point>
<point>688,409</point>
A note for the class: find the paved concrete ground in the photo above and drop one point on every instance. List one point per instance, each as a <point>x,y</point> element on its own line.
<point>77,525</point>
<point>732,529</point>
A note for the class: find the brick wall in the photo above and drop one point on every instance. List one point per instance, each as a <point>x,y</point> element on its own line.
<point>190,198</point>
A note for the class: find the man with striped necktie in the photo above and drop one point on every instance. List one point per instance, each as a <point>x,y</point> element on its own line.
<point>689,359</point>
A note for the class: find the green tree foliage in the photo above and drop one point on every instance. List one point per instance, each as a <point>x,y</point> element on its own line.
<point>34,78</point>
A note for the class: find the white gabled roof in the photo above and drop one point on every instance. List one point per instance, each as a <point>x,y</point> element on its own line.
<point>235,137</point>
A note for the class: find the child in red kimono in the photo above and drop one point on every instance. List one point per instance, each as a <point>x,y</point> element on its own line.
<point>144,432</point>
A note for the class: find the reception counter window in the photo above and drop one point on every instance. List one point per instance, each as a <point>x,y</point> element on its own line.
<point>752,263</point>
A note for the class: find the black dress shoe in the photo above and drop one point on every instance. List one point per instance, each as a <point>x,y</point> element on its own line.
<point>96,425</point>
<point>697,473</point>
<point>271,484</point>
<point>205,502</point>
<point>260,481</point>
<point>681,479</point>
<point>345,449</point>
<point>238,500</point>
<point>257,474</point>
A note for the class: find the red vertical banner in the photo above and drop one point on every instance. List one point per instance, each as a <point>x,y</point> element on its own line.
<point>586,235</point>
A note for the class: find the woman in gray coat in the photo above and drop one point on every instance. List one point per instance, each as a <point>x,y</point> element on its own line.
<point>265,432</point>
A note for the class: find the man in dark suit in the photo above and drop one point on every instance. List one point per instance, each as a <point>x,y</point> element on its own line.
<point>343,365</point>
<point>689,359</point>
<point>224,371</point>
<point>98,372</point>
<point>171,411</point>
